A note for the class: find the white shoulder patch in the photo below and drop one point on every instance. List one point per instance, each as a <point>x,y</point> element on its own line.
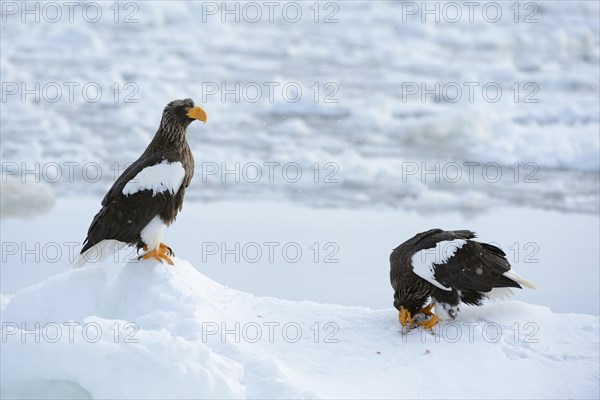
<point>158,178</point>
<point>422,261</point>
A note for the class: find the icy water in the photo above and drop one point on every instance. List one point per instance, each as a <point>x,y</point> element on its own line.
<point>350,104</point>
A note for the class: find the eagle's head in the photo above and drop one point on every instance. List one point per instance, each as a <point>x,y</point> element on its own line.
<point>412,304</point>
<point>408,308</point>
<point>181,113</point>
<point>409,296</point>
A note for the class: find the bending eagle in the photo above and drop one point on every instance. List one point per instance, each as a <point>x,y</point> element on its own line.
<point>149,194</point>
<point>449,268</point>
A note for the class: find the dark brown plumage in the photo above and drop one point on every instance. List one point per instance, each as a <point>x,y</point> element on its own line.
<point>135,200</point>
<point>448,267</point>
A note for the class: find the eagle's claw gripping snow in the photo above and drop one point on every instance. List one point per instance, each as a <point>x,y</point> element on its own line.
<point>161,253</point>
<point>407,321</point>
<point>405,318</point>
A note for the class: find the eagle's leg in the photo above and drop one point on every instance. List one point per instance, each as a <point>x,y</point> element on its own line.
<point>430,323</point>
<point>159,253</point>
<point>169,251</point>
<point>427,310</point>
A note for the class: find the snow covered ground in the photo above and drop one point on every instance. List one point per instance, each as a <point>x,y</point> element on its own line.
<point>310,328</point>
<point>151,330</point>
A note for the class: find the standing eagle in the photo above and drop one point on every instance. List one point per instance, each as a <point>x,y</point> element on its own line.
<point>149,194</point>
<point>449,268</point>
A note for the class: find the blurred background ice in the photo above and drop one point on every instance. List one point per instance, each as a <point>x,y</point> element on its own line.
<point>367,59</point>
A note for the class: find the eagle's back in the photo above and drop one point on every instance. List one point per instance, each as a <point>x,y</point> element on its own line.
<point>400,259</point>
<point>122,217</point>
<point>448,264</point>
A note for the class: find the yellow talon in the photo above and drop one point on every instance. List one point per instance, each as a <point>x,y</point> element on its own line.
<point>429,324</point>
<point>159,253</point>
<point>427,310</point>
<point>166,249</point>
<point>404,317</point>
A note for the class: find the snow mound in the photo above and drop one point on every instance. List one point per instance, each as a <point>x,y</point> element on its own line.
<point>144,330</point>
<point>129,328</point>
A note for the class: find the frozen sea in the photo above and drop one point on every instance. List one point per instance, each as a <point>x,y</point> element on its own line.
<point>376,104</point>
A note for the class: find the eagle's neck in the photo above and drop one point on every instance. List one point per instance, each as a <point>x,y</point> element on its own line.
<point>171,129</point>
<point>170,136</point>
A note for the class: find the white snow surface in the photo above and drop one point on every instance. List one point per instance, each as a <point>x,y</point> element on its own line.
<point>422,261</point>
<point>195,338</point>
<point>161,177</point>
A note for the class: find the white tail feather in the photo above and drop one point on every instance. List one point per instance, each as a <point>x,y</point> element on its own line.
<point>99,252</point>
<point>519,279</point>
<point>499,293</point>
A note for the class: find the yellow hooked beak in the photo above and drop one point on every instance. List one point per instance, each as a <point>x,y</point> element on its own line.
<point>197,113</point>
